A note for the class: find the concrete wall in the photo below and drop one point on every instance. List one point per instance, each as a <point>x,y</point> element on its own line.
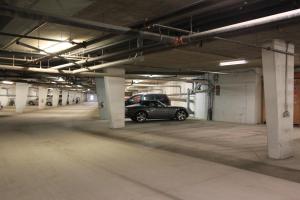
<point>6,92</point>
<point>240,98</point>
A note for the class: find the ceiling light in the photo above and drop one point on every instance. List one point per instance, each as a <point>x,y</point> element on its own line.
<point>58,47</point>
<point>137,81</point>
<point>233,62</point>
<point>60,79</point>
<point>8,82</point>
<point>79,86</point>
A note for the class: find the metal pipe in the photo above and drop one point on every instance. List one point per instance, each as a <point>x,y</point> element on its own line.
<point>172,28</point>
<point>243,25</point>
<point>35,38</point>
<point>41,50</point>
<point>106,65</point>
<point>53,71</point>
<point>89,60</point>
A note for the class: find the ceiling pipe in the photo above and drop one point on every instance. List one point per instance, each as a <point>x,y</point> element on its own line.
<point>41,50</point>
<point>35,38</point>
<point>285,16</point>
<point>53,71</point>
<point>105,56</point>
<point>106,65</point>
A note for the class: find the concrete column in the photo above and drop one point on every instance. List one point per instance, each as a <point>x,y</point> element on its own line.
<point>115,94</point>
<point>64,96</point>
<point>278,72</point>
<point>201,104</point>
<point>21,96</point>
<point>102,105</point>
<point>71,98</point>
<point>55,97</point>
<point>42,97</point>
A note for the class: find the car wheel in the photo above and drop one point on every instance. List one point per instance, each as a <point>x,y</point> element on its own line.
<point>181,115</point>
<point>141,117</point>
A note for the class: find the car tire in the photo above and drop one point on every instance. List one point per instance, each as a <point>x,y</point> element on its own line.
<point>140,117</point>
<point>181,115</point>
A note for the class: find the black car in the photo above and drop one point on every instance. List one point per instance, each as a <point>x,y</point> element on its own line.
<point>148,97</point>
<point>155,110</point>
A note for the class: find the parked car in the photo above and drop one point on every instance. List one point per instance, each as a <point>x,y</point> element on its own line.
<point>33,102</point>
<point>148,97</point>
<point>155,110</point>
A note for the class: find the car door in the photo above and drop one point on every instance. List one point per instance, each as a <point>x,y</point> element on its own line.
<point>159,110</point>
<point>166,112</point>
<point>153,110</point>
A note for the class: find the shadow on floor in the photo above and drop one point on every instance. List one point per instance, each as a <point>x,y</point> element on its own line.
<point>245,164</point>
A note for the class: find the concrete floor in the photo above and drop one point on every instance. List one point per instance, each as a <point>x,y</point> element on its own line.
<point>66,153</point>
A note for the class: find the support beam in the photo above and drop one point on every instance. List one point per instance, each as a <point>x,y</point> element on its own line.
<point>115,94</point>
<point>64,97</point>
<point>201,104</point>
<point>21,96</point>
<point>278,72</point>
<point>102,104</point>
<point>55,97</point>
<point>42,97</point>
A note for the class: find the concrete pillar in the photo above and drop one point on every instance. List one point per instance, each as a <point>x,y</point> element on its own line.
<point>115,94</point>
<point>42,97</point>
<point>64,97</point>
<point>102,105</point>
<point>201,104</point>
<point>21,96</point>
<point>278,72</point>
<point>55,97</point>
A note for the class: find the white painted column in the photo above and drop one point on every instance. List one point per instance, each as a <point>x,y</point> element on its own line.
<point>64,96</point>
<point>21,96</point>
<point>278,72</point>
<point>201,104</point>
<point>102,105</point>
<point>115,94</point>
<point>71,97</point>
<point>55,97</point>
<point>42,97</point>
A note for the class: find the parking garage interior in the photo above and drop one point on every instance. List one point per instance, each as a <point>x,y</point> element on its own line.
<point>224,77</point>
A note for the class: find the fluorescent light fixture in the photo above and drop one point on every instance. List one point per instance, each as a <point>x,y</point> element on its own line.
<point>58,47</point>
<point>8,82</point>
<point>137,81</point>
<point>233,62</point>
<point>53,82</point>
<point>60,79</point>
<point>79,86</point>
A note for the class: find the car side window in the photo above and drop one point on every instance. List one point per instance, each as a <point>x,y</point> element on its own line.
<point>136,99</point>
<point>155,105</point>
